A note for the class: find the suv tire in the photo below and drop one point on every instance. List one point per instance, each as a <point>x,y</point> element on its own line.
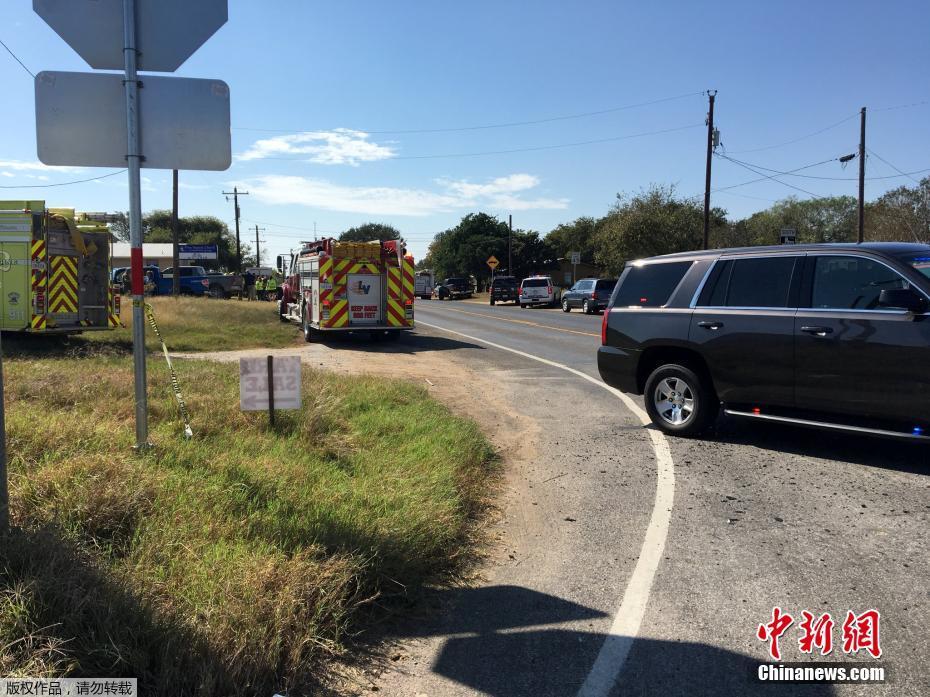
<point>679,401</point>
<point>492,301</point>
<point>585,307</point>
<point>565,306</point>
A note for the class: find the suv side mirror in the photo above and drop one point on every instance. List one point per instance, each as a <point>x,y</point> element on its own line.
<point>902,298</point>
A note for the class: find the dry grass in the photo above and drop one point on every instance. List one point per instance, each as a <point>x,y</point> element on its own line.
<point>233,563</point>
<point>205,324</point>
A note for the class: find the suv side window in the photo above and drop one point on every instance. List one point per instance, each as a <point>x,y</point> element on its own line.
<point>759,282</point>
<point>650,285</point>
<point>851,283</point>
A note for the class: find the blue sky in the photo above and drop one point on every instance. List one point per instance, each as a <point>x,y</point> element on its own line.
<point>330,88</point>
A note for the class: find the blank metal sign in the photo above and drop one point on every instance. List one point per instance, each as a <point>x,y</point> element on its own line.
<point>81,121</point>
<point>167,31</point>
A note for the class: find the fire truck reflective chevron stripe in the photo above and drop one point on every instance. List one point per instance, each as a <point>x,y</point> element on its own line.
<point>63,285</point>
<point>39,283</point>
<point>339,314</point>
<point>343,267</point>
<point>395,306</point>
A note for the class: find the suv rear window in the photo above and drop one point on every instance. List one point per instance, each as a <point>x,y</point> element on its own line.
<point>504,282</point>
<point>606,284</point>
<point>650,285</point>
<point>535,283</point>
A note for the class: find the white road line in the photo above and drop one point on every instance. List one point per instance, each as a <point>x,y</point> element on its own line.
<point>629,615</point>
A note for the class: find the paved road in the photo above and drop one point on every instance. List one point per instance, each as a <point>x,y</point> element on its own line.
<point>763,516</point>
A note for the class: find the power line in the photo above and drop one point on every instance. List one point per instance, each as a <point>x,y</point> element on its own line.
<point>510,124</point>
<point>764,177</point>
<point>78,181</point>
<point>902,106</point>
<point>772,177</point>
<point>797,140</point>
<point>902,173</point>
<point>518,150</point>
<point>16,58</point>
<point>791,173</point>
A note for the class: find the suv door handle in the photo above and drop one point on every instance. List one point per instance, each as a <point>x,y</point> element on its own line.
<point>817,331</point>
<point>710,325</point>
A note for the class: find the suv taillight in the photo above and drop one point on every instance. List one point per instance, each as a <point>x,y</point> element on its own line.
<point>548,290</point>
<point>594,295</point>
<point>604,327</point>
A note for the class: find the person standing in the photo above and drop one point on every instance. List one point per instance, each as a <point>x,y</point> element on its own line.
<point>260,287</point>
<point>271,288</point>
<point>249,285</point>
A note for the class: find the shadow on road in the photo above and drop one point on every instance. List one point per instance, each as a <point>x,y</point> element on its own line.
<point>844,447</point>
<point>407,343</point>
<point>499,644</point>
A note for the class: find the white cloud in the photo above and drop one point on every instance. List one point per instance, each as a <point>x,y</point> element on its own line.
<point>7,174</point>
<point>23,165</point>
<point>500,193</point>
<point>341,146</point>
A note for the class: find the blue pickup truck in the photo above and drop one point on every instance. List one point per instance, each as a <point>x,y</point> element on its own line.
<point>194,281</point>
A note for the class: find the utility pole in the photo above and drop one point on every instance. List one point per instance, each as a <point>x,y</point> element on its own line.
<point>711,94</point>
<point>235,193</point>
<point>175,254</point>
<point>862,177</point>
<point>510,245</point>
<point>258,252</point>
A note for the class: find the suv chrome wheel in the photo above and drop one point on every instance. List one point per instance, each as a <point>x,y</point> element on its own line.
<point>673,399</point>
<point>565,305</point>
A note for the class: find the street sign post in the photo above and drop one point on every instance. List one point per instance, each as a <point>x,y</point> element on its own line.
<point>168,32</point>
<point>133,35</point>
<point>576,259</point>
<point>81,121</point>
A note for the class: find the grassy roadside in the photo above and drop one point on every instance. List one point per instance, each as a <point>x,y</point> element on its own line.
<point>233,563</point>
<point>204,324</point>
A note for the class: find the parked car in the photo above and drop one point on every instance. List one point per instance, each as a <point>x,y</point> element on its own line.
<point>194,281</point>
<point>828,336</point>
<point>590,294</point>
<point>538,290</point>
<point>504,289</point>
<point>453,288</point>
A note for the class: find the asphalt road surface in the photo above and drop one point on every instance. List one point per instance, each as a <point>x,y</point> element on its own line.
<point>623,571</point>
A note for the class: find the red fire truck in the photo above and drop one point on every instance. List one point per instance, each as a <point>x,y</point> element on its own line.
<point>334,286</point>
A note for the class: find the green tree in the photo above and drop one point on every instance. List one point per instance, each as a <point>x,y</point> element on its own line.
<point>652,222</point>
<point>465,249</point>
<point>198,229</point>
<point>369,232</point>
<point>576,236</point>
<point>902,214</point>
<point>827,219</point>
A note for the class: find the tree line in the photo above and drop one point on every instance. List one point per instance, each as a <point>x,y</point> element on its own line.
<point>657,220</point>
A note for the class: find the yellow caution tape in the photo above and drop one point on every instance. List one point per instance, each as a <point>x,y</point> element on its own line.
<point>175,383</point>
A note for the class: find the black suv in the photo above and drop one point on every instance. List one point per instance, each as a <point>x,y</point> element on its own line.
<point>590,294</point>
<point>832,336</point>
<point>504,289</point>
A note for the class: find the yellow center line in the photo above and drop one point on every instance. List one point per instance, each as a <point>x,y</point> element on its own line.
<point>522,321</point>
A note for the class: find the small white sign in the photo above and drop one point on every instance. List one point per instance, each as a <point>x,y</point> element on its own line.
<point>576,257</point>
<point>253,383</point>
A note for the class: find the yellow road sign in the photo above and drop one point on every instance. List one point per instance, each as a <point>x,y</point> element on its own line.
<point>493,262</point>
